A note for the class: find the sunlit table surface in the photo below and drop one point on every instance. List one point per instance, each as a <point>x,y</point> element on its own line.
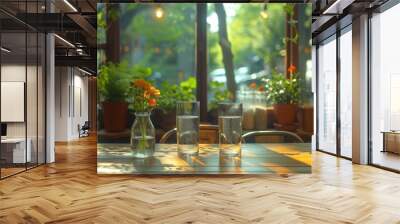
<point>255,159</point>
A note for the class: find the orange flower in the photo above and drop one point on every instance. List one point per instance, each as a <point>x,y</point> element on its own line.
<point>253,85</point>
<point>146,94</point>
<point>152,102</point>
<point>292,69</point>
<point>140,83</point>
<point>154,91</point>
<point>261,88</point>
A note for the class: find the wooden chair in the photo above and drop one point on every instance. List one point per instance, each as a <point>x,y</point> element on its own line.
<point>271,136</point>
<point>208,135</point>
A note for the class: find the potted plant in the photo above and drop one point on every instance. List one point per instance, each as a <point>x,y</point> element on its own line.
<point>164,115</point>
<point>284,94</point>
<point>145,97</point>
<point>113,85</point>
<point>219,94</point>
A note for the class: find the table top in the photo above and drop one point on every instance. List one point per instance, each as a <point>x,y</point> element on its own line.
<point>255,159</point>
<point>391,132</point>
<point>13,140</point>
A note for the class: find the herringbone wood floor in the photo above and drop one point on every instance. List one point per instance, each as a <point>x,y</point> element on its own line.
<point>70,191</point>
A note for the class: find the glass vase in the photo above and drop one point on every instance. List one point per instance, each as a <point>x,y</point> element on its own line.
<point>142,136</point>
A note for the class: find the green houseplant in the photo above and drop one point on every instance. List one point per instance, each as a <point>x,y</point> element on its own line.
<point>284,94</point>
<point>113,84</point>
<point>164,115</point>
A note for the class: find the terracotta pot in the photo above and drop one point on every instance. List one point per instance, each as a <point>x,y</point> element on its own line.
<point>308,119</point>
<point>115,116</point>
<point>285,113</point>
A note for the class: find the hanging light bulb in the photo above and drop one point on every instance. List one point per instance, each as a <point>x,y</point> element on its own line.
<point>159,12</point>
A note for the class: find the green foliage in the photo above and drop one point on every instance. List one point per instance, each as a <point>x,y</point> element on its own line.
<point>281,90</point>
<point>102,20</point>
<point>171,93</point>
<point>114,80</point>
<point>289,9</point>
<point>220,94</point>
<point>167,44</point>
<point>251,35</point>
<point>101,24</point>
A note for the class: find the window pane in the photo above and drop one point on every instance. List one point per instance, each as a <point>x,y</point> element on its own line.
<point>385,88</point>
<point>159,37</point>
<point>346,94</point>
<point>327,96</point>
<point>13,83</point>
<point>247,45</point>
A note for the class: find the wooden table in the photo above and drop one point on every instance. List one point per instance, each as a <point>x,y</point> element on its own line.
<point>255,159</point>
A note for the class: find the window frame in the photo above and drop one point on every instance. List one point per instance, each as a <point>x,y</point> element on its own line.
<point>336,31</point>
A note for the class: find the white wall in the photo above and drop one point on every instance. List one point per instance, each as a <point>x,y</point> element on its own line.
<point>71,102</point>
<point>16,73</point>
<point>61,103</point>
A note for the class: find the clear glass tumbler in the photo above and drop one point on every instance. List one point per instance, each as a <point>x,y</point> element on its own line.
<point>230,128</point>
<point>187,124</point>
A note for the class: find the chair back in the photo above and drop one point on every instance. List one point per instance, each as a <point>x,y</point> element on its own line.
<point>271,136</point>
<point>208,135</point>
<point>86,125</point>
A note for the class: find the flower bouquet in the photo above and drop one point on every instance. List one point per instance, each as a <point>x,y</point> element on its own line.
<point>145,97</point>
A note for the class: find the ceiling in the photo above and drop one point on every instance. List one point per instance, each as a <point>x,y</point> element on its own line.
<point>74,22</point>
<point>329,15</point>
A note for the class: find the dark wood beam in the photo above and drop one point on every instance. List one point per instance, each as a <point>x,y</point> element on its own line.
<point>113,36</point>
<point>201,59</point>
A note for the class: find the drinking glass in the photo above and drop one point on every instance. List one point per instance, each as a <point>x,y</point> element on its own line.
<point>187,125</point>
<point>230,128</point>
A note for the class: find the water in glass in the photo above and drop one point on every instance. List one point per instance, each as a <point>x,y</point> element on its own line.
<point>230,128</point>
<point>144,146</point>
<point>187,134</point>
